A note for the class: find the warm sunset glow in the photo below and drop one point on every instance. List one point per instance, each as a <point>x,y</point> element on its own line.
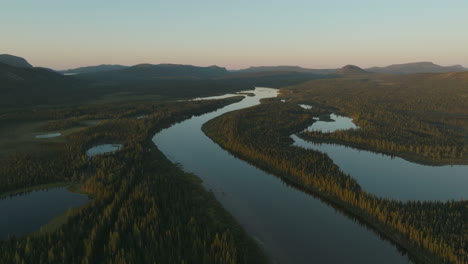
<point>235,34</point>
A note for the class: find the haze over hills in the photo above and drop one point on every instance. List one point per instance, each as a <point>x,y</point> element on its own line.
<point>416,67</point>
<point>14,61</point>
<point>287,68</point>
<point>158,71</point>
<point>406,68</point>
<point>98,68</point>
<point>148,72</point>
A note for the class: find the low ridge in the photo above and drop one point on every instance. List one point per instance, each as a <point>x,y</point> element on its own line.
<point>14,61</point>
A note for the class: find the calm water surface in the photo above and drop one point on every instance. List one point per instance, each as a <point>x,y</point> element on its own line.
<point>103,149</point>
<point>305,106</point>
<point>51,135</point>
<point>388,176</point>
<point>293,227</point>
<point>26,213</point>
<point>338,123</point>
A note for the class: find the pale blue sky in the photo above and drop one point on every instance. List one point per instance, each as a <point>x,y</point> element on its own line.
<point>322,33</point>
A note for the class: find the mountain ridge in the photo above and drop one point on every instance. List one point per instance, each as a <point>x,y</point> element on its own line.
<point>15,61</point>
<point>416,67</point>
<point>96,68</point>
<point>146,71</point>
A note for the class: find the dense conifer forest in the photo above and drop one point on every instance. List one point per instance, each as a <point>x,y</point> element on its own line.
<point>420,117</point>
<point>432,232</point>
<point>144,209</point>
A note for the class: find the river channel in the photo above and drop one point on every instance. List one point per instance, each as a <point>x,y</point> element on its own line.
<point>291,226</point>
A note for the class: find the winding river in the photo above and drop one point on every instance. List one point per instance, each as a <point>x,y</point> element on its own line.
<point>292,227</point>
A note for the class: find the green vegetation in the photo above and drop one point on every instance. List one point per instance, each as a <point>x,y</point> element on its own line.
<point>144,208</point>
<point>46,88</point>
<point>422,117</point>
<point>432,232</point>
<point>38,187</point>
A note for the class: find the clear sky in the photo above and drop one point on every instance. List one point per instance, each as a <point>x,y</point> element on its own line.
<point>312,33</point>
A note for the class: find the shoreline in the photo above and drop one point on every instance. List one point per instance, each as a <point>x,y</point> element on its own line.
<point>404,155</point>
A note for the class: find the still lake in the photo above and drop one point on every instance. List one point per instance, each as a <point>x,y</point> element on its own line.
<point>26,213</point>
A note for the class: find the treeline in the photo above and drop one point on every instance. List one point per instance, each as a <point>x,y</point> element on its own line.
<point>78,90</point>
<point>67,162</point>
<point>144,208</point>
<point>260,135</point>
<point>420,117</point>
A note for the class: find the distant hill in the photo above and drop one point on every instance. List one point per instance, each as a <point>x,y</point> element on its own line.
<point>14,61</point>
<point>287,69</point>
<point>406,68</point>
<point>13,74</point>
<point>351,70</point>
<point>416,67</point>
<point>35,86</point>
<point>159,71</point>
<point>98,68</point>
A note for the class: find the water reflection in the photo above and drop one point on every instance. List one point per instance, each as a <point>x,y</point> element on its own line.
<point>394,177</point>
<point>305,106</point>
<point>25,213</point>
<point>51,135</point>
<point>103,149</point>
<point>292,226</point>
<point>337,122</point>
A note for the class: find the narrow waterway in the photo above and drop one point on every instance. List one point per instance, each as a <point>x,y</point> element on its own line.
<point>388,176</point>
<point>292,227</point>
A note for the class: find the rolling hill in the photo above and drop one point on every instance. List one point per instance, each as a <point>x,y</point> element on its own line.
<point>351,70</point>
<point>159,71</point>
<point>416,67</point>
<point>406,68</point>
<point>14,61</point>
<point>92,69</point>
<point>12,74</point>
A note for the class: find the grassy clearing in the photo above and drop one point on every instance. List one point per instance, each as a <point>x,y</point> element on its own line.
<point>21,136</point>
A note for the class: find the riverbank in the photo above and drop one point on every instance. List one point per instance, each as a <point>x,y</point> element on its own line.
<point>74,187</point>
<point>394,220</point>
<point>144,208</point>
<point>408,156</point>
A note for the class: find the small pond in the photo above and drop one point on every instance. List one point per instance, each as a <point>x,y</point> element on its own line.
<point>51,135</point>
<point>337,123</point>
<point>26,213</point>
<point>103,149</point>
<point>305,106</point>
